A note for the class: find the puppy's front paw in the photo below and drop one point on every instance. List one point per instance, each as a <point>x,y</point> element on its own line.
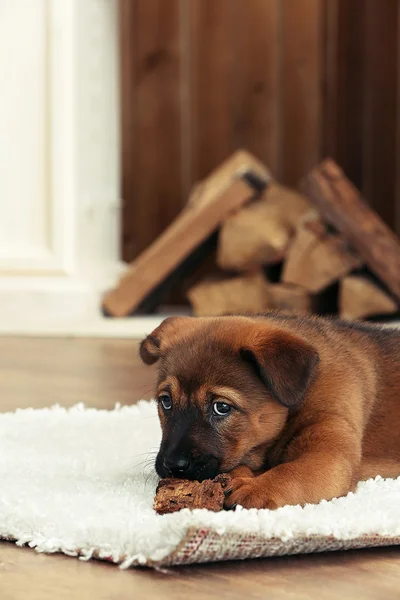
<point>249,493</point>
<point>241,471</point>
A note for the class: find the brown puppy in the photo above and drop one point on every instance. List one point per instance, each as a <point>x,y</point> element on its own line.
<point>297,409</point>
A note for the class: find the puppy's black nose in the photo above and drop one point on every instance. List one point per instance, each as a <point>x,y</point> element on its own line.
<point>182,465</point>
<point>177,466</point>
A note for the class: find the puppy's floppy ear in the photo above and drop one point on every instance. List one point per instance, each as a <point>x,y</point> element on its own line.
<point>149,350</point>
<point>285,363</point>
<point>152,347</point>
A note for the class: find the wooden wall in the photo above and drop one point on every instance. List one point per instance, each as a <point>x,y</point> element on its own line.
<point>290,80</point>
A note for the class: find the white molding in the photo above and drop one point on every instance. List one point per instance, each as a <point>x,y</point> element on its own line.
<point>56,74</point>
<point>40,261</point>
<point>61,89</point>
<point>61,283</point>
<point>134,328</point>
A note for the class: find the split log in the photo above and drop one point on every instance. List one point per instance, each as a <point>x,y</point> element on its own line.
<point>259,234</point>
<point>360,297</point>
<point>342,205</point>
<point>316,258</point>
<point>223,192</point>
<point>287,297</point>
<point>247,294</point>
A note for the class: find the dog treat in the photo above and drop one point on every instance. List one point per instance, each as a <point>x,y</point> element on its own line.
<point>174,494</point>
<point>260,233</point>
<point>244,294</point>
<point>316,258</point>
<point>360,297</point>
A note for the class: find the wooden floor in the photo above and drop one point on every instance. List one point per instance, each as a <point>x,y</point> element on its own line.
<point>101,373</point>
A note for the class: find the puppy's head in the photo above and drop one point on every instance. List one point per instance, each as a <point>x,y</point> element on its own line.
<point>225,389</point>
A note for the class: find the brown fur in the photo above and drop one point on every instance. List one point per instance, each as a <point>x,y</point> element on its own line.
<point>316,403</point>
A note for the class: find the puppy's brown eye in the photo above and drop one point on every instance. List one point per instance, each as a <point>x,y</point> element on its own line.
<point>221,409</point>
<point>165,401</point>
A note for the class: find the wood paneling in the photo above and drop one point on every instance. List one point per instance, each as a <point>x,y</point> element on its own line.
<point>127,125</point>
<point>343,119</point>
<point>151,119</point>
<point>380,90</point>
<point>361,96</point>
<point>212,83</point>
<point>256,72</point>
<point>301,84</point>
<point>293,81</point>
<point>397,196</point>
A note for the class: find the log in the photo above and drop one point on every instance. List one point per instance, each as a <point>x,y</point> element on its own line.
<point>213,200</point>
<point>259,234</point>
<point>292,298</point>
<point>245,294</point>
<point>341,205</point>
<point>360,297</point>
<point>316,258</point>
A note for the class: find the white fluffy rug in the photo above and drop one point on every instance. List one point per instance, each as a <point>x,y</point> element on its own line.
<point>78,481</point>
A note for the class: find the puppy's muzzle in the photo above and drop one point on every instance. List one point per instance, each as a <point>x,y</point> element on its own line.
<point>186,466</point>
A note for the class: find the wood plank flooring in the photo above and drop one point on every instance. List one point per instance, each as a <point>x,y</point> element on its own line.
<point>40,372</point>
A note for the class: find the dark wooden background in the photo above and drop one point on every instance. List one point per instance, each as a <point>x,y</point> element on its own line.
<point>290,80</point>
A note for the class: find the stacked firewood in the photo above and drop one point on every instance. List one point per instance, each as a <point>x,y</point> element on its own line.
<point>318,271</point>
<point>318,250</point>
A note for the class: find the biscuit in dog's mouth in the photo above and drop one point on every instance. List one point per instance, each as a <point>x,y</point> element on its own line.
<point>174,494</point>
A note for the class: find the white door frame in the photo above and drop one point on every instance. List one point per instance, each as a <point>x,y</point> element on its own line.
<point>52,282</point>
